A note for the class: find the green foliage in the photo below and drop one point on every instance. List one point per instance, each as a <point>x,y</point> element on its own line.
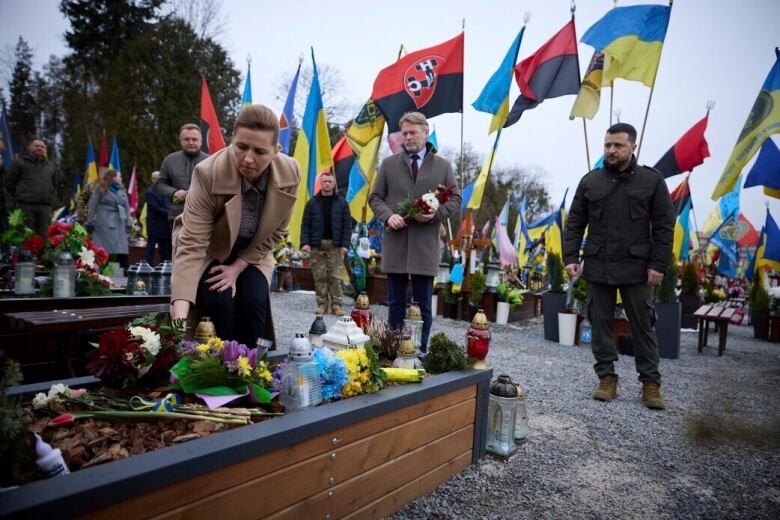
<point>22,112</point>
<point>665,291</point>
<point>555,272</point>
<point>16,442</point>
<point>444,355</point>
<point>86,285</point>
<point>759,297</point>
<point>511,295</point>
<point>17,232</point>
<point>477,285</point>
<point>690,280</point>
<point>580,292</point>
<point>378,378</point>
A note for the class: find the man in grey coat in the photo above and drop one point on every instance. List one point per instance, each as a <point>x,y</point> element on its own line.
<point>628,213</point>
<point>176,170</point>
<point>32,183</point>
<point>412,248</point>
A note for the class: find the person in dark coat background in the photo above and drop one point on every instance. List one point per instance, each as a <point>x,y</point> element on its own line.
<point>157,208</point>
<point>628,212</point>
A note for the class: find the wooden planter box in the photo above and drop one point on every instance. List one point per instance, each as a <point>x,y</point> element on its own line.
<point>524,311</point>
<point>364,457</point>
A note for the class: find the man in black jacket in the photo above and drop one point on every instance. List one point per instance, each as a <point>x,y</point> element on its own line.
<point>32,183</point>
<point>630,220</point>
<point>326,230</point>
<point>157,209</point>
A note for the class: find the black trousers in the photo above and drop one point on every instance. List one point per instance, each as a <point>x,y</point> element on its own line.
<point>640,310</point>
<point>164,246</point>
<point>422,290</point>
<point>242,318</point>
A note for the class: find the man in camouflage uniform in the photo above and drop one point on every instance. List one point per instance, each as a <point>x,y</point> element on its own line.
<point>326,230</point>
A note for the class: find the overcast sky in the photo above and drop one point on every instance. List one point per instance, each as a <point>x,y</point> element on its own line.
<point>720,51</point>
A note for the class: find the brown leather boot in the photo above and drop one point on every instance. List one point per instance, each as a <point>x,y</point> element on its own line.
<point>651,395</point>
<point>321,309</point>
<point>336,310</point>
<point>606,389</point>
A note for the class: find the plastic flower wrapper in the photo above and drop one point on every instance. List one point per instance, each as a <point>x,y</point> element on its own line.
<point>221,371</point>
<point>333,373</point>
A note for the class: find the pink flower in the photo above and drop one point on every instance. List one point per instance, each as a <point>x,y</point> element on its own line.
<point>64,419</point>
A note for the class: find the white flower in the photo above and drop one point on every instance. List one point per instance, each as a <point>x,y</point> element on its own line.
<point>59,389</point>
<point>431,200</point>
<point>151,339</point>
<point>87,257</point>
<point>40,401</point>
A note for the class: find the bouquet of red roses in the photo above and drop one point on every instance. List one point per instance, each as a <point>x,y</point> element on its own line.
<point>427,203</point>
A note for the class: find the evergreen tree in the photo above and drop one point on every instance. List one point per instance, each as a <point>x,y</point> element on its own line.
<point>22,112</point>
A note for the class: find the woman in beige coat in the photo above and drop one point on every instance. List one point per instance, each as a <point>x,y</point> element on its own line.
<point>237,210</point>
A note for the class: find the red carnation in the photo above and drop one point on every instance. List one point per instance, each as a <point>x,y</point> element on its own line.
<point>34,244</point>
<point>59,228</point>
<point>101,256</point>
<point>56,240</point>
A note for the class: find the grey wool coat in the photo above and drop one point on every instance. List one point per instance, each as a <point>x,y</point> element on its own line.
<point>108,212</point>
<point>415,248</point>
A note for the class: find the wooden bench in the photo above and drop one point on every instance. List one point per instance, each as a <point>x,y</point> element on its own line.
<point>65,324</point>
<point>721,316</point>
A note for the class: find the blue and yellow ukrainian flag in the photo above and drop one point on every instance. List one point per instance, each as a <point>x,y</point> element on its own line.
<point>312,151</point>
<point>768,251</point>
<point>246,99</point>
<point>554,238</point>
<point>364,136</point>
<point>90,168</point>
<point>763,121</point>
<point>114,163</point>
<point>494,98</point>
<point>479,185</point>
<point>682,233</point>
<point>75,191</point>
<point>631,39</point>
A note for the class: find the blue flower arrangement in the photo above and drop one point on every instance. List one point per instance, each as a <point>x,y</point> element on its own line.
<point>333,373</point>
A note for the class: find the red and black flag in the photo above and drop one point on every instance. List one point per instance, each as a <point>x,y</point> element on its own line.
<point>687,153</point>
<point>428,81</point>
<point>210,131</point>
<point>343,158</point>
<point>680,196</point>
<point>550,72</point>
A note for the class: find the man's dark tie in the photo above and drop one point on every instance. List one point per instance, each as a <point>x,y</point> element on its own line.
<point>415,168</point>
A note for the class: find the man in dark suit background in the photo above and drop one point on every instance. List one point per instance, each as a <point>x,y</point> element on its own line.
<point>159,235</point>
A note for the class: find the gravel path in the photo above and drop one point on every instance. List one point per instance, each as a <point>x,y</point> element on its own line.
<point>714,453</point>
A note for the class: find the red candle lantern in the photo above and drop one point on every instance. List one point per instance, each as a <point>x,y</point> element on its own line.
<point>478,340</point>
<point>361,313</point>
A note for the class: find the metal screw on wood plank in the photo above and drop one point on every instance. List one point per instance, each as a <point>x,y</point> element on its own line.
<point>330,494</point>
<point>333,456</point>
<point>328,517</point>
<point>331,481</point>
<point>335,440</point>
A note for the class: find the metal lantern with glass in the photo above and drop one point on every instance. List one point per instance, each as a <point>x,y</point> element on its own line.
<point>300,377</point>
<point>502,411</point>
<point>64,276</point>
<point>24,274</point>
<point>317,329</point>
<point>493,276</point>
<point>413,324</point>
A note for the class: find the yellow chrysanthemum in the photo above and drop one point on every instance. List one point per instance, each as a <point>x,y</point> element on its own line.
<point>244,368</point>
<point>216,343</point>
<point>202,347</point>
<point>263,373</point>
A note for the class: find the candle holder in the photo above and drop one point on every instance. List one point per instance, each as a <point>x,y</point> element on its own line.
<point>478,340</point>
<point>502,411</point>
<point>361,313</point>
<point>24,274</point>
<point>64,276</point>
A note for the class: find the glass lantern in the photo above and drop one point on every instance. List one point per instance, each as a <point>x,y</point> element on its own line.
<point>522,430</point>
<point>64,276</point>
<point>164,282</point>
<point>300,377</point>
<point>443,275</point>
<point>24,274</point>
<point>478,340</point>
<point>493,276</point>
<point>406,356</point>
<point>413,324</point>
<point>361,313</point>
<point>132,277</point>
<point>502,412</point>
<point>145,273</point>
<point>317,329</point>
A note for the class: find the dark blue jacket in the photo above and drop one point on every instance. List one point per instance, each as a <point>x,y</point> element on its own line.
<point>157,207</point>
<point>312,225</point>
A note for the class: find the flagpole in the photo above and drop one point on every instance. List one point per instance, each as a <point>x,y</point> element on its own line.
<point>462,104</point>
<point>650,98</point>
<point>573,8</point>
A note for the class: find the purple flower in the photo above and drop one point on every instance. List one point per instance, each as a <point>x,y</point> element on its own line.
<point>252,357</point>
<point>188,347</point>
<point>242,350</point>
<point>230,351</point>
